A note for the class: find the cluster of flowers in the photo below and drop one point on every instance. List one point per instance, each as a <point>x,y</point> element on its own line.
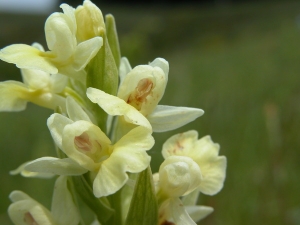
<point>105,114</point>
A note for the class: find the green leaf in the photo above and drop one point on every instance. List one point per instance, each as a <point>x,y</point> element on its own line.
<point>102,73</point>
<point>112,37</point>
<point>143,207</point>
<point>98,206</point>
<point>115,202</point>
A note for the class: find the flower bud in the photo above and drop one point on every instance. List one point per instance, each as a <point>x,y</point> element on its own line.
<point>179,175</point>
<point>89,21</point>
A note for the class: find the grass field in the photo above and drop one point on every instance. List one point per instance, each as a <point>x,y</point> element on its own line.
<point>238,63</point>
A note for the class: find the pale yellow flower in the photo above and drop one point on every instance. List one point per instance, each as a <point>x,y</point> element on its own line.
<point>65,55</point>
<point>143,87</point>
<point>86,145</point>
<point>204,152</point>
<point>25,210</point>
<point>39,88</point>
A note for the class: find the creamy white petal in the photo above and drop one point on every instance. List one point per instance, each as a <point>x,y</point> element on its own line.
<point>27,57</point>
<point>63,208</point>
<point>214,174</point>
<point>161,63</point>
<point>165,118</point>
<point>179,175</point>
<point>213,167</point>
<point>69,13</point>
<point>125,68</point>
<point>35,79</point>
<point>58,82</point>
<point>111,177</point>
<point>60,39</point>
<point>75,111</point>
<point>85,51</point>
<point>69,70</point>
<point>129,155</point>
<point>13,96</point>
<point>192,198</point>
<point>180,144</point>
<point>113,105</point>
<point>198,212</point>
<point>131,149</point>
<point>66,166</point>
<point>179,214</point>
<point>25,173</point>
<point>18,196</point>
<point>38,46</point>
<point>56,123</point>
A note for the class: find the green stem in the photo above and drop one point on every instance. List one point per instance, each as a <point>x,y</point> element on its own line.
<point>74,195</point>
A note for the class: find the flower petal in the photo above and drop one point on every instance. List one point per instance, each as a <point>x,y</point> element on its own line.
<point>179,175</point>
<point>85,51</point>
<point>63,209</point>
<point>179,214</point>
<point>75,111</point>
<point>113,105</point>
<point>25,173</point>
<point>161,63</point>
<point>165,118</point>
<point>69,70</point>
<point>56,123</point>
<point>18,196</point>
<point>66,166</point>
<point>69,13</point>
<point>35,79</point>
<point>213,167</point>
<point>13,96</point>
<point>110,178</point>
<point>27,57</point>
<point>125,68</point>
<point>131,150</point>
<point>60,39</point>
<point>180,144</point>
<point>58,82</point>
<point>198,212</point>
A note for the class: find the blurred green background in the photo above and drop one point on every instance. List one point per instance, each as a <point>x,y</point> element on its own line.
<point>240,63</point>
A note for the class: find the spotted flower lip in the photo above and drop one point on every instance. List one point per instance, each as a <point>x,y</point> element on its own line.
<point>143,87</point>
<point>26,210</point>
<point>65,56</point>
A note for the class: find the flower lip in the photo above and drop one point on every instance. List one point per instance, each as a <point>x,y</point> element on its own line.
<point>83,143</point>
<point>28,219</point>
<point>140,94</point>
